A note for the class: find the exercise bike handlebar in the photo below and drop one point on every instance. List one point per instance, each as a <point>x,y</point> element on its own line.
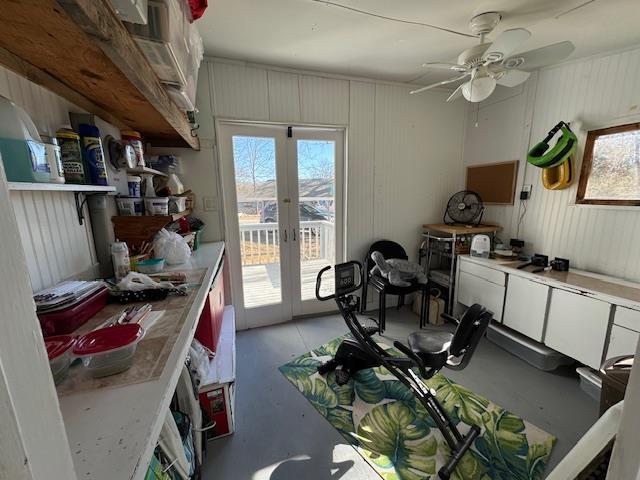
<point>348,279</point>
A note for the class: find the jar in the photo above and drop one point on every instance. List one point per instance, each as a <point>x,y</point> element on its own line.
<point>52,155</point>
<point>71,156</point>
<point>134,139</point>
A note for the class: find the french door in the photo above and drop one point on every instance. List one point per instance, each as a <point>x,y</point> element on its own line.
<point>283,203</point>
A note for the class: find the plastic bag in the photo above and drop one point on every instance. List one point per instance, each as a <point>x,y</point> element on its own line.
<point>200,359</point>
<point>139,281</point>
<point>172,247</point>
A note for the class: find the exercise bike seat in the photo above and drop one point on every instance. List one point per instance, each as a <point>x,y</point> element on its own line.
<point>431,346</point>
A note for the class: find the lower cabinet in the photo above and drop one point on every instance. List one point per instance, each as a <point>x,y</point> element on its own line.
<point>577,326</point>
<point>525,306</point>
<point>473,289</point>
<point>622,341</point>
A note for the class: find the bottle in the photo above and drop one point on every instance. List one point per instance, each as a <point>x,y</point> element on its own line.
<point>93,154</point>
<point>52,154</point>
<point>71,155</point>
<point>120,258</point>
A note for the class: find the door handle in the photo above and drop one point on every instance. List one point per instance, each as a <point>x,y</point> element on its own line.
<point>284,233</point>
<point>294,234</point>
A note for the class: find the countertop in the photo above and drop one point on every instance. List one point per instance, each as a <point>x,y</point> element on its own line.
<point>112,432</point>
<point>613,290</point>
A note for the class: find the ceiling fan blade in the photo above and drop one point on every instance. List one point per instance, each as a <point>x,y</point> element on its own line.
<point>505,44</point>
<point>457,93</point>
<point>444,82</point>
<point>512,78</point>
<point>445,66</point>
<point>539,57</point>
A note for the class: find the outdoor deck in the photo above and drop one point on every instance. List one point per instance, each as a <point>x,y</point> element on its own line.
<point>262,282</point>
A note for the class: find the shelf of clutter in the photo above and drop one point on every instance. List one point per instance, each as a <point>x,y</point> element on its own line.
<point>139,76</point>
<point>113,420</point>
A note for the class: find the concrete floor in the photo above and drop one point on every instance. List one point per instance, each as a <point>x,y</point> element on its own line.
<point>279,435</point>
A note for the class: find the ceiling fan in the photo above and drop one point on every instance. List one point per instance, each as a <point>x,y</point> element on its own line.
<point>489,64</point>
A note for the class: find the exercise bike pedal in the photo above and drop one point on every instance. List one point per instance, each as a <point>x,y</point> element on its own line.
<point>342,376</point>
<point>327,367</point>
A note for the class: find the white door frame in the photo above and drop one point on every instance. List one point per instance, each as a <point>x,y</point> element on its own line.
<point>291,305</point>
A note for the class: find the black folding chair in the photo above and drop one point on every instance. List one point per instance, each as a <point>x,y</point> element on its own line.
<point>389,249</point>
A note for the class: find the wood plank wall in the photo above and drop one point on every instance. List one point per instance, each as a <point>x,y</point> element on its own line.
<point>597,91</point>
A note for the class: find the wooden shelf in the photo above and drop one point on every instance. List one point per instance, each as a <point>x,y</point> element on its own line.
<point>137,229</point>
<point>58,187</point>
<point>147,170</point>
<point>80,50</point>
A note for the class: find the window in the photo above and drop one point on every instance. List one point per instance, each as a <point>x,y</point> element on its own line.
<point>611,167</point>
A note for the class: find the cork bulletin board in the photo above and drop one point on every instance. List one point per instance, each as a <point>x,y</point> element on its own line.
<point>494,182</point>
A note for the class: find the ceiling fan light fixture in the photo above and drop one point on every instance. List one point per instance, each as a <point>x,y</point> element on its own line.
<point>478,89</point>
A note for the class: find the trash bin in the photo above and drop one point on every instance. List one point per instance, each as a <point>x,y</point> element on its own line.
<point>615,376</point>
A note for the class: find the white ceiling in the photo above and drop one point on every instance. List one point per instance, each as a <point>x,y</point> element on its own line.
<point>315,35</point>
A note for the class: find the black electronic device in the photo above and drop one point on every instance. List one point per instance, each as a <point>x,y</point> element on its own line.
<point>560,264</point>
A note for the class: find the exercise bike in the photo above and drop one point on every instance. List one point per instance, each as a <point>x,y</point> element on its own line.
<point>427,350</point>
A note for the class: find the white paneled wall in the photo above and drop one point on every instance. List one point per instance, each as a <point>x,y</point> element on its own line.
<point>404,152</point>
<point>56,245</point>
<point>597,92</point>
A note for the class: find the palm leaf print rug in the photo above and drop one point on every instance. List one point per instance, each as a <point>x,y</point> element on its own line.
<point>384,422</point>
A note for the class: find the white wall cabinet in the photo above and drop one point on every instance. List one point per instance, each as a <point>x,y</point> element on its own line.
<point>473,289</point>
<point>525,306</point>
<point>577,326</point>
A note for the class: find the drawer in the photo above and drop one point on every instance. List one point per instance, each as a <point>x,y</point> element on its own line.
<point>489,274</point>
<point>473,289</point>
<point>577,326</point>
<point>525,307</point>
<point>627,318</point>
<point>622,342</point>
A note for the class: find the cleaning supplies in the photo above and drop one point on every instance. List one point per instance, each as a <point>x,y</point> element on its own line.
<point>22,150</point>
<point>120,257</point>
<point>93,154</point>
<point>71,156</point>
<point>52,154</point>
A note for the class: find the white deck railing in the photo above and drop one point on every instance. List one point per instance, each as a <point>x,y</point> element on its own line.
<point>259,242</point>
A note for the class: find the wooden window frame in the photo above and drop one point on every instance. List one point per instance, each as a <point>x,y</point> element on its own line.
<point>587,160</point>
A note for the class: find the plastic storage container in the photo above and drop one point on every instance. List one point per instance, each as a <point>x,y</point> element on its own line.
<point>177,204</point>
<point>110,350</point>
<point>64,322</point>
<point>156,205</point>
<point>133,183</point>
<point>130,206</point>
<point>164,39</point>
<point>23,153</point>
<point>93,154</point>
<point>152,265</point>
<point>59,350</point>
<point>71,156</point>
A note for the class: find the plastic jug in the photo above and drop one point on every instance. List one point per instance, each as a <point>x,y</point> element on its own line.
<point>23,152</point>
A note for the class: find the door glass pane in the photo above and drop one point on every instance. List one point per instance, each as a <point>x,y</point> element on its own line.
<point>254,159</point>
<point>317,186</point>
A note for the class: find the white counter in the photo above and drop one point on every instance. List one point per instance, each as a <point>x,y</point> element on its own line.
<point>112,432</point>
<point>602,287</point>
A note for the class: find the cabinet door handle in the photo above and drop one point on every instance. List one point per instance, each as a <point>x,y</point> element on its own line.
<point>284,232</point>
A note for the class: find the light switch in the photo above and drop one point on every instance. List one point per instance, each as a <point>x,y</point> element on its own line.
<point>210,204</point>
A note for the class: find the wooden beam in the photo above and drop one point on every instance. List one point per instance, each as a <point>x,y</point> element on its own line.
<point>98,19</point>
<point>42,78</point>
<point>116,79</point>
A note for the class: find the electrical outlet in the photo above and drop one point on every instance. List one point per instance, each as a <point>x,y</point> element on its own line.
<point>525,193</point>
<point>210,204</point>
